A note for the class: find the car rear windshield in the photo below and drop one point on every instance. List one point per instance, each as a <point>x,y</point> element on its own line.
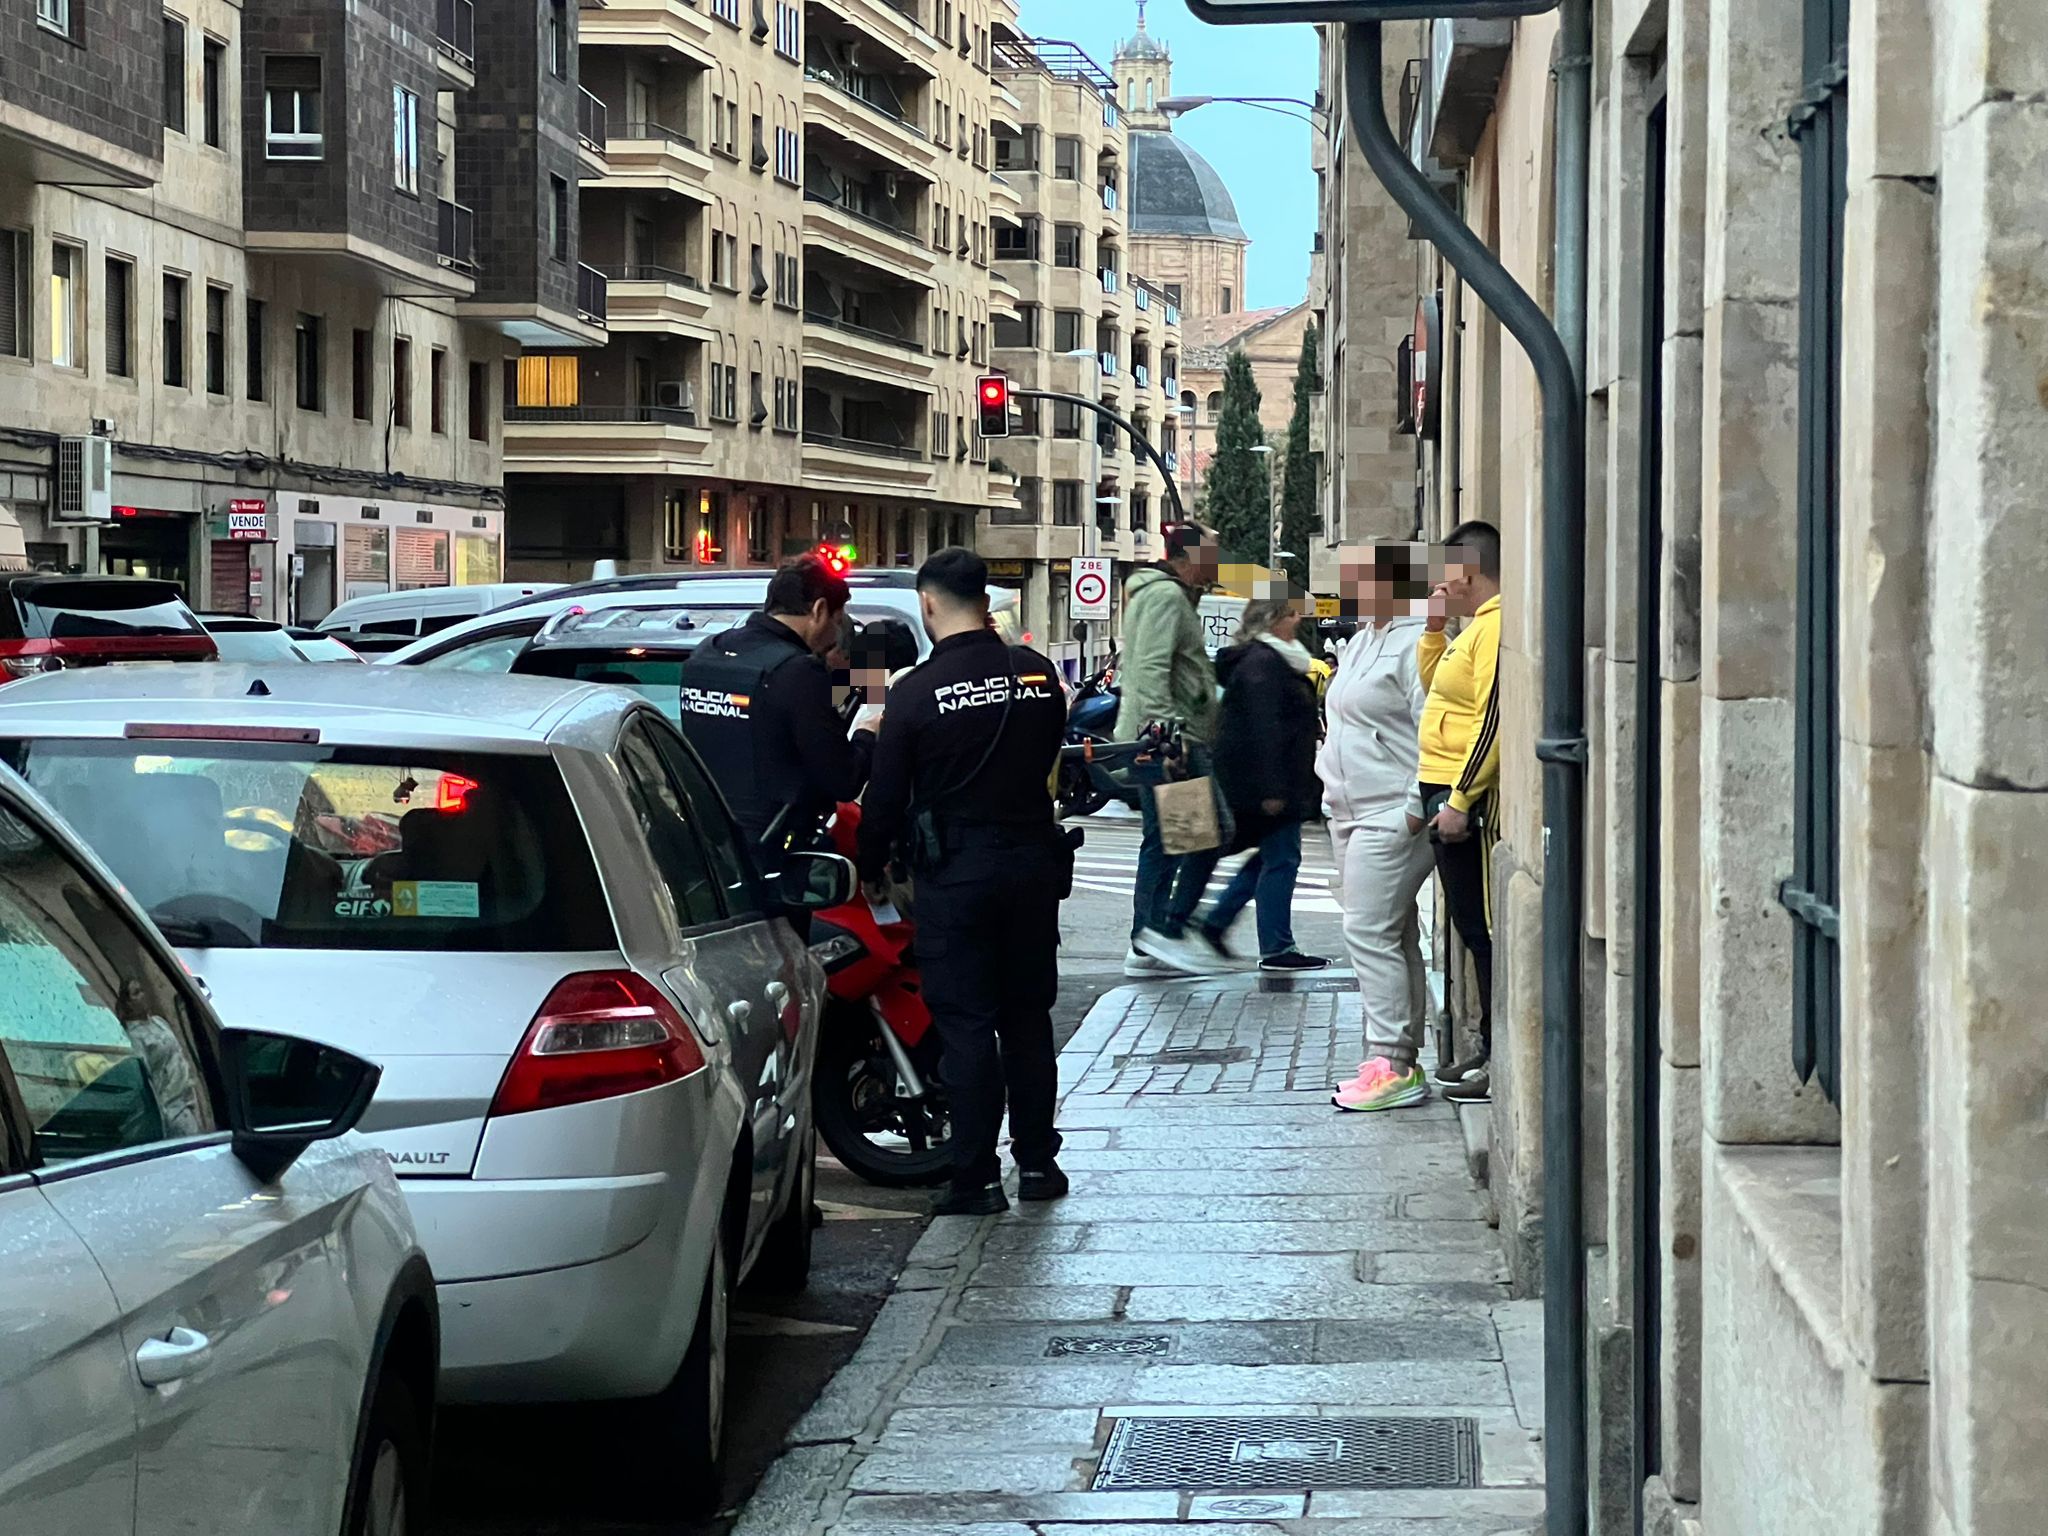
<point>104,610</point>
<point>656,678</point>
<point>251,845</point>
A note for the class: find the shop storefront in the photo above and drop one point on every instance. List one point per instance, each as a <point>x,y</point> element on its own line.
<point>331,550</point>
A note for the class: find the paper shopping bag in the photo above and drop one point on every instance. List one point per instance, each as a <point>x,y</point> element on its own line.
<point>1188,817</point>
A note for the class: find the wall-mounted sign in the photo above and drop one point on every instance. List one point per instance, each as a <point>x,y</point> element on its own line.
<point>249,519</point>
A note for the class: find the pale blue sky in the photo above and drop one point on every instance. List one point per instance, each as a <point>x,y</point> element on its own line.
<point>1263,158</point>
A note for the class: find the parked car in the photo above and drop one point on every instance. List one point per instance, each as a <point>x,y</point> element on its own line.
<point>423,610</point>
<point>526,902</point>
<point>489,642</point>
<point>214,1312</point>
<point>246,639</point>
<point>52,622</point>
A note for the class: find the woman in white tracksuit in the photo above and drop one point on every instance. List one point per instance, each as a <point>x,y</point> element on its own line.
<point>1368,765</point>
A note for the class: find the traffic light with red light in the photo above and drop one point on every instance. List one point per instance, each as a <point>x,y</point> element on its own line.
<point>992,393</point>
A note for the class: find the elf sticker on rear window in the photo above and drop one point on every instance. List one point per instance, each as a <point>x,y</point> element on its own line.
<point>435,898</point>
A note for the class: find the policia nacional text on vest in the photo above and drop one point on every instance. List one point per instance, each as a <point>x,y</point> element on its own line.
<point>757,706</point>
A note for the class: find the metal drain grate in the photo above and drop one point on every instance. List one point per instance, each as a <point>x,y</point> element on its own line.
<point>1270,1454</point>
<point>1126,1344</point>
<point>1218,1056</point>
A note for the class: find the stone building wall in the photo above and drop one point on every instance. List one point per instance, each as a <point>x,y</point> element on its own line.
<point>1850,1291</point>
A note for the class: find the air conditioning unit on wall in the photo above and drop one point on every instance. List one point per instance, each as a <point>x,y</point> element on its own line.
<point>83,486</point>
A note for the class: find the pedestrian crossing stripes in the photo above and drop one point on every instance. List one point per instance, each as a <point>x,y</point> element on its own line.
<point>1108,863</point>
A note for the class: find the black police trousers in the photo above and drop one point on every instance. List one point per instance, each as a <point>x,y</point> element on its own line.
<point>987,947</point>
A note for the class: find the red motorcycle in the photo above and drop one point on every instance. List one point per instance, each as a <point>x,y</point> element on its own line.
<point>877,1097</point>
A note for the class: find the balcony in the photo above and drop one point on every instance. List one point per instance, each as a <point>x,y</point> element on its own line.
<point>888,27</point>
<point>867,124</point>
<point>833,461</point>
<point>863,445</point>
<point>590,295</point>
<point>867,352</point>
<point>606,439</point>
<point>656,157</point>
<point>455,40</point>
<point>590,130</point>
<point>877,240</point>
<point>642,297</point>
<point>679,26</point>
<point>455,238</point>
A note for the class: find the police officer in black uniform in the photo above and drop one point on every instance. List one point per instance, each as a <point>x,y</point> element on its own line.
<point>757,706</point>
<point>962,785</point>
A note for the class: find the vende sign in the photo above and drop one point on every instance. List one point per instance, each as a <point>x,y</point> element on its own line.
<point>249,520</point>
<point>1229,12</point>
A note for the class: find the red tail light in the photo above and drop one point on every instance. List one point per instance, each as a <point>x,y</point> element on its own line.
<point>600,1034</point>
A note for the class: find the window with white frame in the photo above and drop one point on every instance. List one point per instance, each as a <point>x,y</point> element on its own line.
<point>726,11</point>
<point>291,107</point>
<point>789,30</point>
<point>405,140</point>
<point>789,156</point>
<point>54,14</point>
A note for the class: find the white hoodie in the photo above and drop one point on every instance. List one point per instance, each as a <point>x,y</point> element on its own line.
<point>1373,708</point>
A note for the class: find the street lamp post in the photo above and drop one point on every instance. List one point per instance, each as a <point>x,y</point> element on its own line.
<point>1272,501</point>
<point>1317,117</point>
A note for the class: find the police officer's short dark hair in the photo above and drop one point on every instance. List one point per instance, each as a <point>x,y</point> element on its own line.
<point>958,574</point>
<point>800,585</point>
<point>1179,538</point>
<point>1480,541</point>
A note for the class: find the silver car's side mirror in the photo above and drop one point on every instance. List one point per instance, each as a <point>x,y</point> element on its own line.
<point>812,882</point>
<point>285,1093</point>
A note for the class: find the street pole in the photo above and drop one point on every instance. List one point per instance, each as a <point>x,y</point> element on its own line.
<point>1180,513</point>
<point>1561,747</point>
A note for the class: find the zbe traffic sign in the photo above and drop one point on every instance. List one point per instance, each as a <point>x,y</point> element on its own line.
<point>1253,11</point>
<point>1091,588</point>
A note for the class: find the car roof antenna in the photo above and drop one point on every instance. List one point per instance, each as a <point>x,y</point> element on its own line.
<point>259,689</point>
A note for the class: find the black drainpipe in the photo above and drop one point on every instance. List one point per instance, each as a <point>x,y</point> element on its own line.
<point>1561,747</point>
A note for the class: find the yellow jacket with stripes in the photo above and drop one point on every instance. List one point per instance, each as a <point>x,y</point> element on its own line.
<point>1461,721</point>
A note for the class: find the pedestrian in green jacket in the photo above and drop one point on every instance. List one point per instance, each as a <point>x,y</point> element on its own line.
<point>1166,672</point>
<point>1166,675</point>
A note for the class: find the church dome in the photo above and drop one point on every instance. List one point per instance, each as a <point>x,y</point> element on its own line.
<point>1174,191</point>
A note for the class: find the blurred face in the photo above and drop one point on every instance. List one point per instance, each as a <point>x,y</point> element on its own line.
<point>1366,582</point>
<point>1288,625</point>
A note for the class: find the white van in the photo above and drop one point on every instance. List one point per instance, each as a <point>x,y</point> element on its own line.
<point>1220,615</point>
<point>425,610</point>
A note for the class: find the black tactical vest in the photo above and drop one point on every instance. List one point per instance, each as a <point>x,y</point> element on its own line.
<point>729,720</point>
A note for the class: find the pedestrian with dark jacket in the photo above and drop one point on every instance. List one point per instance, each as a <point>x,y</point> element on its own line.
<point>1266,768</point>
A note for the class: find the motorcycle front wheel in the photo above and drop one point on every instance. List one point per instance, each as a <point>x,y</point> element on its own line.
<point>864,1114</point>
<point>1080,795</point>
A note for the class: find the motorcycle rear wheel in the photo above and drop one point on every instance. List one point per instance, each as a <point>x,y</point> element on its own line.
<point>1080,795</point>
<point>883,1137</point>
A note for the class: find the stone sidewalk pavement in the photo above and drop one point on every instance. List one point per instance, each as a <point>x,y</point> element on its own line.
<point>1233,1248</point>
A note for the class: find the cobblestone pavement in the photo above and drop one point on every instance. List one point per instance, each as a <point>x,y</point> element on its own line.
<point>1232,1247</point>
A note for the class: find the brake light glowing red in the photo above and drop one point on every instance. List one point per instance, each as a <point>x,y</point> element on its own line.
<point>599,1035</point>
<point>453,796</point>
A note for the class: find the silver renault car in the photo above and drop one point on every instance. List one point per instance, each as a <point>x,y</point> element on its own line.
<point>525,902</point>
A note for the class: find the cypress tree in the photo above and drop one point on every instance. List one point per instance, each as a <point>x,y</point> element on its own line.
<point>1238,490</point>
<point>1300,518</point>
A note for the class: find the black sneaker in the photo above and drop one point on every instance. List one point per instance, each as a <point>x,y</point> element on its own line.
<point>988,1200</point>
<point>1294,960</point>
<point>1048,1183</point>
<point>1475,1087</point>
<point>1219,946</point>
<point>1453,1072</point>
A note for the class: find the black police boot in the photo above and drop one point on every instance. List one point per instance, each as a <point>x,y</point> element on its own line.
<point>1047,1183</point>
<point>986,1200</point>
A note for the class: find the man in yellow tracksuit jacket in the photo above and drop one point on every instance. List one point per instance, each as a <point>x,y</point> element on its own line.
<point>1460,764</point>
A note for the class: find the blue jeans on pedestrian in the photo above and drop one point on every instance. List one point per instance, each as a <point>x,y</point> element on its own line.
<point>1152,895</point>
<point>1269,875</point>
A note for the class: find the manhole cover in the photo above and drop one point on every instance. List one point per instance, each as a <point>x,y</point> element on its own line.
<point>1265,1454</point>
<point>1128,1344</point>
<point>1220,1056</point>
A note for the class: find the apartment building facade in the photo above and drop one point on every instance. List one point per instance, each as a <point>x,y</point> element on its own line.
<point>1085,325</point>
<point>794,228</point>
<point>235,261</point>
<point>1816,693</point>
